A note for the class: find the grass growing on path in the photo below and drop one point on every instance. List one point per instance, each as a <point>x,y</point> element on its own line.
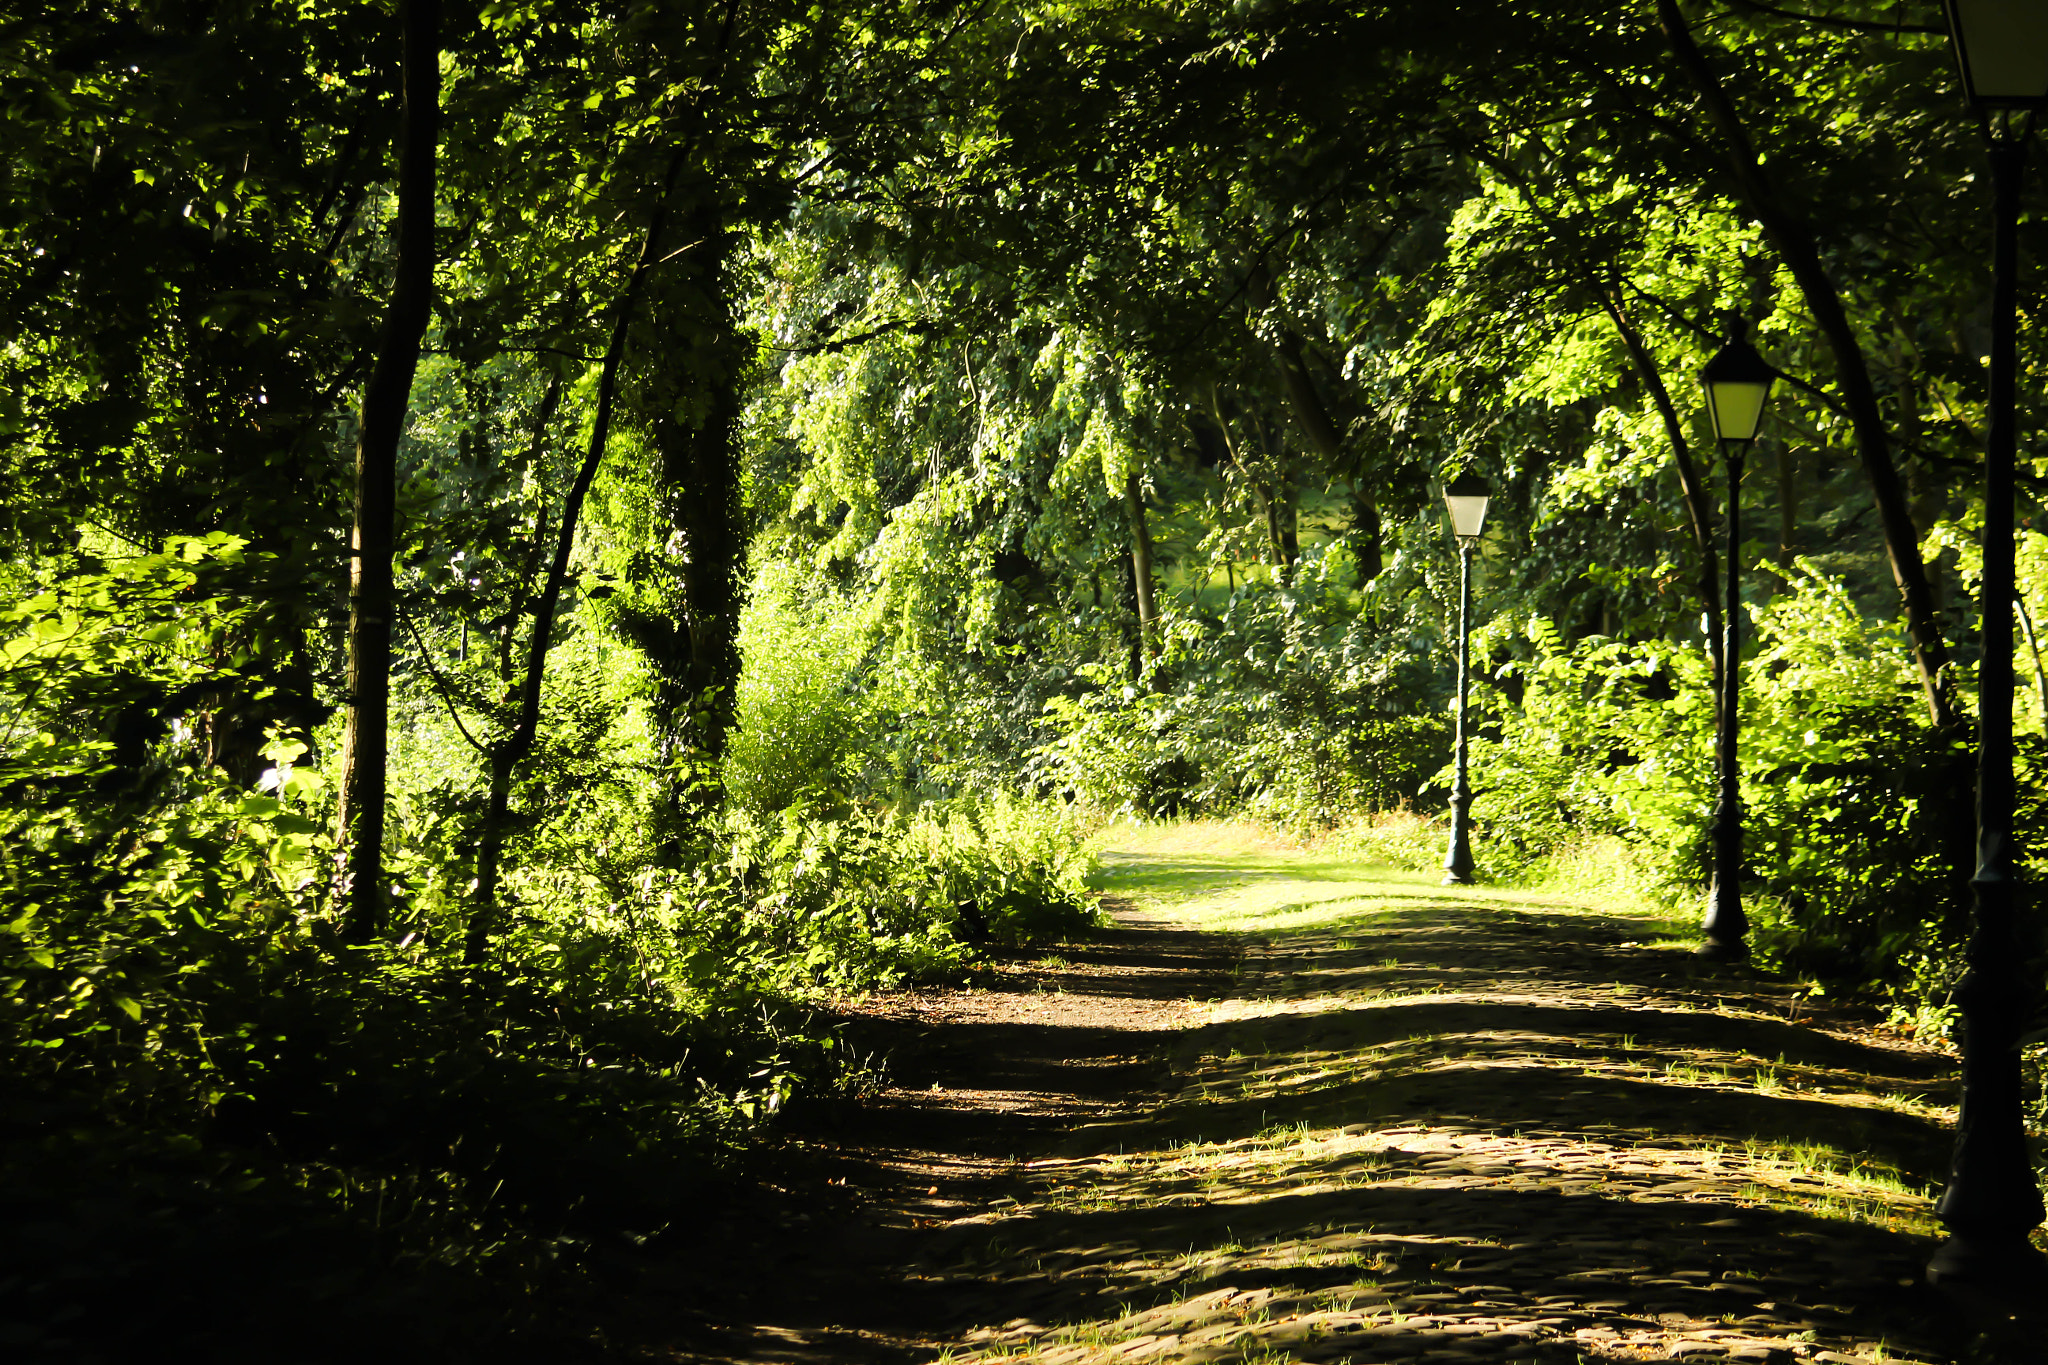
<point>1239,878</point>
<point>1476,1124</point>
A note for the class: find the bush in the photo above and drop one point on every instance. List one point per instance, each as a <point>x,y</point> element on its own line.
<point>1399,838</point>
<point>851,898</point>
<point>800,719</point>
<point>1856,812</point>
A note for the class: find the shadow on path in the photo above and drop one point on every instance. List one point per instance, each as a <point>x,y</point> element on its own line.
<point>1423,1127</point>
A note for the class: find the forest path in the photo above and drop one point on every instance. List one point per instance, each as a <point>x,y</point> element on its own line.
<point>1298,1109</point>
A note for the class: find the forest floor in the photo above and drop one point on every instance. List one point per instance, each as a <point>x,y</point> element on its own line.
<point>1294,1108</point>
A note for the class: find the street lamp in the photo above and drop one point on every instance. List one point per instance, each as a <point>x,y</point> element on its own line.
<point>1465,498</point>
<point>1738,384</point>
<point>1992,1202</point>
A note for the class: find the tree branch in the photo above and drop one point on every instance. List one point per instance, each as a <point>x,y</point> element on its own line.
<point>1794,241</point>
<point>1835,21</point>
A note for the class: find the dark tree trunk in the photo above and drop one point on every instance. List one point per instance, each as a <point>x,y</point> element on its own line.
<point>1312,415</point>
<point>1367,537</point>
<point>1796,246</point>
<point>366,735</point>
<point>1127,621</point>
<point>1290,528</point>
<point>1279,501</point>
<point>1258,481</point>
<point>1141,564</point>
<point>1788,503</point>
<point>512,750</point>
<point>693,391</point>
<point>1699,511</point>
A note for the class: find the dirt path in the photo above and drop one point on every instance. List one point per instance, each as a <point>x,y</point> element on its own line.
<point>1296,1110</point>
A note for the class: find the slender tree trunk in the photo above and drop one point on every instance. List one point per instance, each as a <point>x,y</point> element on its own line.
<point>490,852</point>
<point>513,749</point>
<point>1134,640</point>
<point>1269,512</point>
<point>1788,502</point>
<point>2019,600</point>
<point>1796,246</point>
<point>1368,542</point>
<point>500,757</point>
<point>1312,415</point>
<point>1699,511</point>
<point>1307,405</point>
<point>1141,564</point>
<point>1255,480</point>
<point>366,733</point>
<point>696,396</point>
<point>1269,489</point>
<point>1290,528</point>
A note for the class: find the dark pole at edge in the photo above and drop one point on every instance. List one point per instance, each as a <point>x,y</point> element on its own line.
<point>1992,1202</point>
<point>1725,930</point>
<point>1458,860</point>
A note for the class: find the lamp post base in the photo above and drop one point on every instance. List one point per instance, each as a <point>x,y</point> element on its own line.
<point>1457,879</point>
<point>1722,950</point>
<point>1993,1262</point>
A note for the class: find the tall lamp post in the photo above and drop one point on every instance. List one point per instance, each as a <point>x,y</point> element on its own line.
<point>1738,384</point>
<point>1992,1202</point>
<point>1465,497</point>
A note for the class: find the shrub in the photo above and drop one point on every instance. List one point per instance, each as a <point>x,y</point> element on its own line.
<point>1856,834</point>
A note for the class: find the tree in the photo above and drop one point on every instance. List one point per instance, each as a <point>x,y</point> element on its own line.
<point>372,539</point>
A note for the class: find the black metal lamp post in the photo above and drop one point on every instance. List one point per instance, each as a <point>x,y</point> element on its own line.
<point>1738,384</point>
<point>1465,497</point>
<point>1992,1202</point>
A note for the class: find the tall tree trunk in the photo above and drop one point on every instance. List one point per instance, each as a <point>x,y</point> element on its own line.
<point>509,752</point>
<point>1312,415</point>
<point>1699,513</point>
<point>1796,246</point>
<point>1699,510</point>
<point>1279,501</point>
<point>694,396</point>
<point>1788,502</point>
<point>1141,564</point>
<point>1368,536</point>
<point>1290,527</point>
<point>499,757</point>
<point>366,733</point>
<point>1134,639</point>
<point>1269,513</point>
<point>1255,481</point>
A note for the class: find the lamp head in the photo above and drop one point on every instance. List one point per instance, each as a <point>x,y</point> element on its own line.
<point>1738,384</point>
<point>2002,49</point>
<point>1465,497</point>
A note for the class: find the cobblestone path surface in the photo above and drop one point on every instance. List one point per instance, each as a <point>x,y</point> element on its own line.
<point>1359,1118</point>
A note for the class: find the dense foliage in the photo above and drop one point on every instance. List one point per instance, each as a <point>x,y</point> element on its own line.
<point>543,537</point>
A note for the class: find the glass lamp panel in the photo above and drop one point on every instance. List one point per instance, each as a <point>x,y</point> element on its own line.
<point>1468,514</point>
<point>1737,407</point>
<point>2002,46</point>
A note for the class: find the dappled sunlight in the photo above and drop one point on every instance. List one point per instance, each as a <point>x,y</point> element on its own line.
<point>1478,1124</point>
